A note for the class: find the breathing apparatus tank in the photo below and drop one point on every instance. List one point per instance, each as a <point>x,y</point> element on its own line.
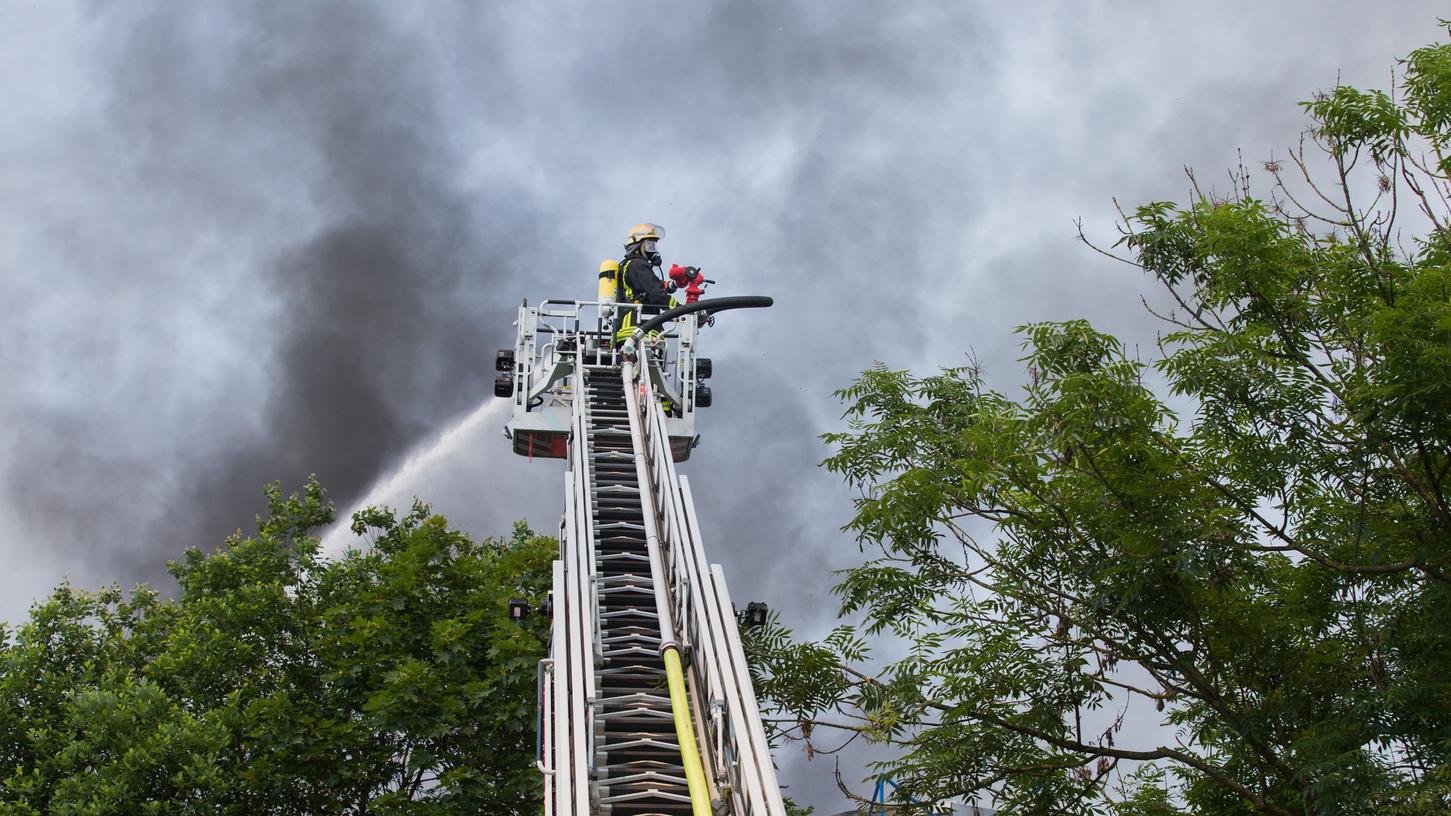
<point>609,270</point>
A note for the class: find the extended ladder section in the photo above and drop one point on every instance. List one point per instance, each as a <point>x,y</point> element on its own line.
<point>648,708</point>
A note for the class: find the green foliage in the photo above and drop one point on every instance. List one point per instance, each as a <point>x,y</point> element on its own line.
<point>1269,572</point>
<point>793,809</point>
<point>389,680</point>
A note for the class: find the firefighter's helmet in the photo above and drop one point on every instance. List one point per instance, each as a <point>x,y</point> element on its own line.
<point>641,232</point>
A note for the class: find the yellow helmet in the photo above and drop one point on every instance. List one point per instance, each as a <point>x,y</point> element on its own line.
<point>640,232</point>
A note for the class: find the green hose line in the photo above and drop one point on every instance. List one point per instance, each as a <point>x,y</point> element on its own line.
<point>689,751</point>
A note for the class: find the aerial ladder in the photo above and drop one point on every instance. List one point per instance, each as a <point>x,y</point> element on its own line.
<point>646,706</point>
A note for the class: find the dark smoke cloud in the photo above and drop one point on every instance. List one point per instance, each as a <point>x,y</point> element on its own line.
<point>375,302</point>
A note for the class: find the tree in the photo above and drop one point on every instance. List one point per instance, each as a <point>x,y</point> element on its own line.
<point>389,680</point>
<point>1264,573</point>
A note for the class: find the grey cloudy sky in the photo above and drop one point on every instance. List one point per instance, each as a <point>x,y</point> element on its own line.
<point>246,242</point>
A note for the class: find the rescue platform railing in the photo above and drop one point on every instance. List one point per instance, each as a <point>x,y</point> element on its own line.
<point>549,335</point>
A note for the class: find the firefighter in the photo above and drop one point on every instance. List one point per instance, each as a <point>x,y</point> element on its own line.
<point>637,277</point>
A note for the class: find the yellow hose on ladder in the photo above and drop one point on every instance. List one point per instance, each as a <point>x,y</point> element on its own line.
<point>685,733</point>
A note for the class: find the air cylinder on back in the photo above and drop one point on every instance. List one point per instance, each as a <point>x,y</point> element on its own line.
<point>609,270</point>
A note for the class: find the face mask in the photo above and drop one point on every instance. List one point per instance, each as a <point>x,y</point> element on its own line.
<point>647,248</point>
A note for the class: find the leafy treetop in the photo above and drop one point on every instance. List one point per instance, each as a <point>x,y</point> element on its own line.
<point>389,680</point>
<point>1265,577</point>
